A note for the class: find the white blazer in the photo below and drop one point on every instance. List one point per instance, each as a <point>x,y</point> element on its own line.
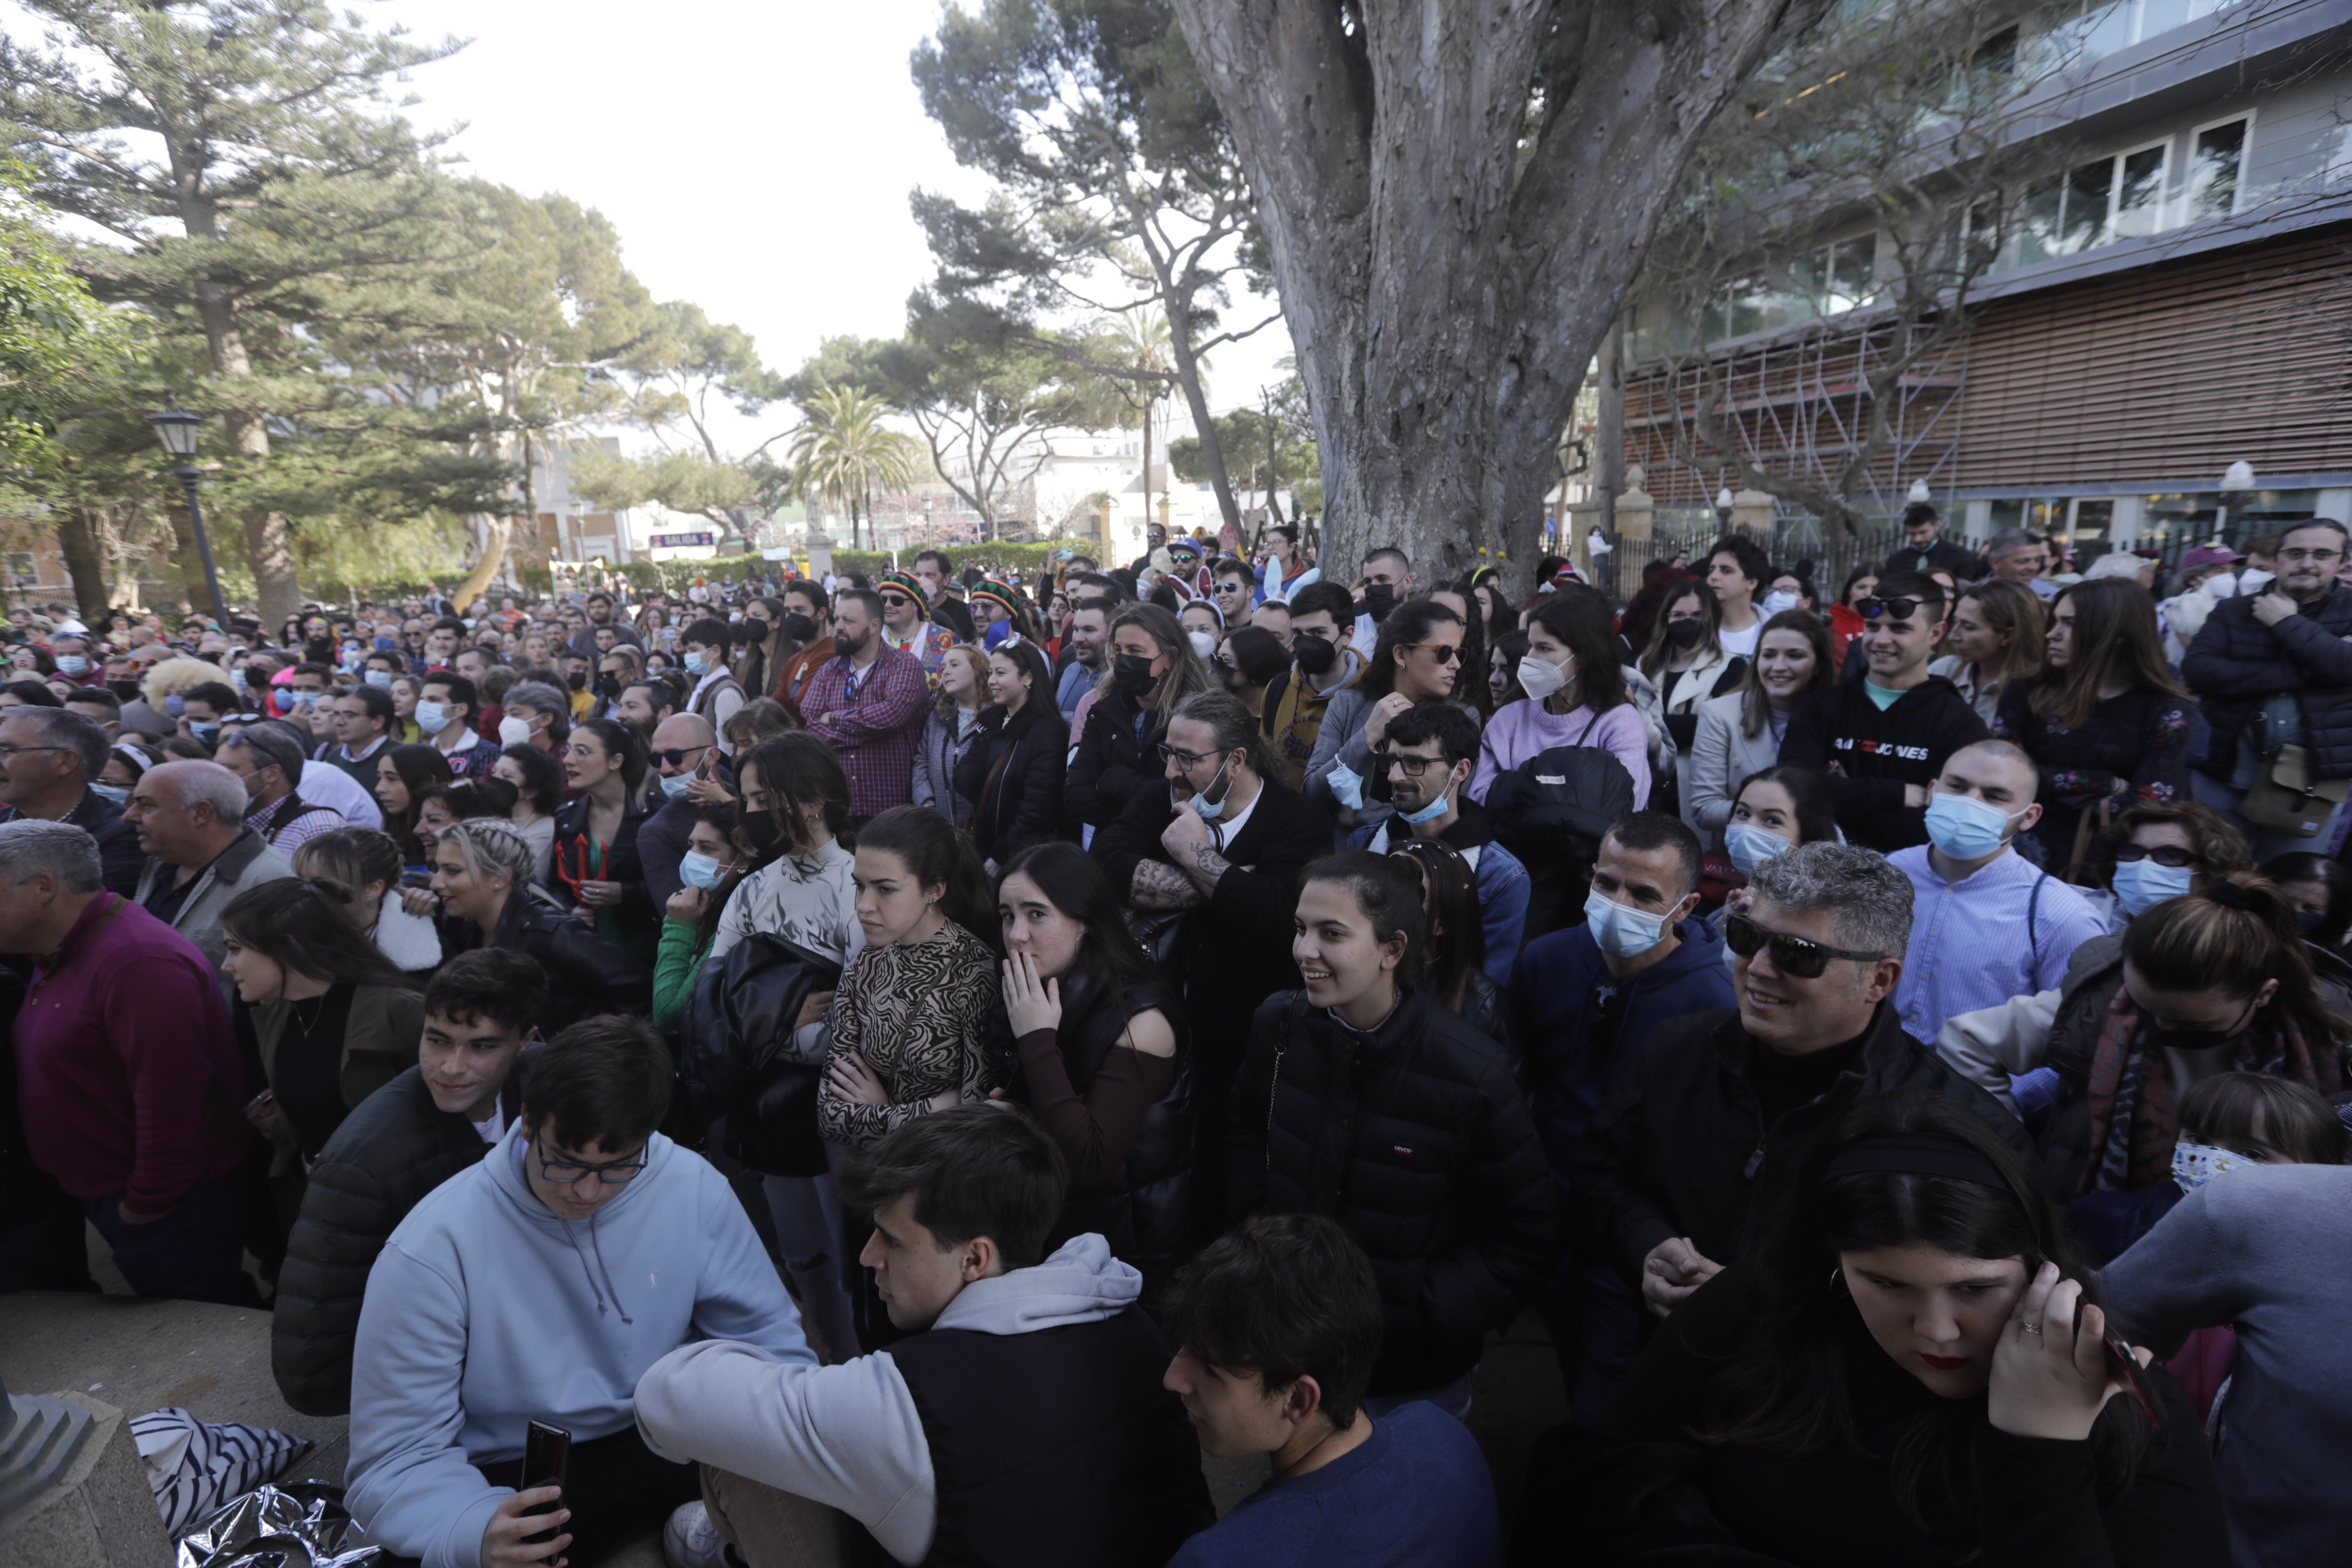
<point>1723,756</point>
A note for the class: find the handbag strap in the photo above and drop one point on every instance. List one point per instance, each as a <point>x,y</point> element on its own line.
<point>1273,1082</point>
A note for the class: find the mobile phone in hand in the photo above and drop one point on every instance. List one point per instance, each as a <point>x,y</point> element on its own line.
<point>2125,1366</point>
<point>546,1462</point>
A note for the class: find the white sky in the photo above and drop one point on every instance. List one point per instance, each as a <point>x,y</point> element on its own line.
<point>756,157</point>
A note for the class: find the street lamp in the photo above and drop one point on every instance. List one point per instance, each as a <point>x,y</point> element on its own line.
<point>2237,479</point>
<point>176,429</point>
<point>1919,492</point>
<point>1724,501</point>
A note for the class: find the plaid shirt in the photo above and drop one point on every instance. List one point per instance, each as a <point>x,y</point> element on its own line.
<point>874,730</point>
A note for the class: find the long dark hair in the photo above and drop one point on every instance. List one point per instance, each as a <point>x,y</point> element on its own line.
<point>1809,789</point>
<point>1456,937</point>
<point>1755,707</point>
<point>1074,883</point>
<point>1389,894</point>
<point>620,741</point>
<point>1579,618</point>
<point>2115,639</point>
<point>420,766</point>
<point>1408,622</point>
<point>1789,1390</point>
<point>1474,655</point>
<point>935,853</point>
<point>2231,935</point>
<point>542,777</point>
<point>1030,660</point>
<point>306,926</point>
<point>802,770</point>
<point>721,815</point>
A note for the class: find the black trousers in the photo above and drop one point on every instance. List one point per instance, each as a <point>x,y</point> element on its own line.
<point>618,1488</point>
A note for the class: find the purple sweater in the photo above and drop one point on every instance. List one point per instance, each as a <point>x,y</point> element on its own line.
<point>127,1067</point>
<point>1521,730</point>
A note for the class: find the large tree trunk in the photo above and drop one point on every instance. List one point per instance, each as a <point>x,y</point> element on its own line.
<point>1204,424</point>
<point>85,558</point>
<point>195,594</point>
<point>492,532</point>
<point>268,539</point>
<point>1445,283</point>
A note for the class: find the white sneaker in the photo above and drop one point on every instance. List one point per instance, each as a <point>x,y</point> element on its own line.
<point>690,1540</point>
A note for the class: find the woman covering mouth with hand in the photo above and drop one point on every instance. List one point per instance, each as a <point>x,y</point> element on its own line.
<point>1910,1368</point>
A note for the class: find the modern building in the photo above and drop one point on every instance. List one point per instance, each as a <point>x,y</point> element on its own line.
<point>2175,300</point>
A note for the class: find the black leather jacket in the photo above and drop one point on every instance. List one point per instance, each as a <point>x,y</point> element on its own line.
<point>735,1054</point>
<point>585,974</point>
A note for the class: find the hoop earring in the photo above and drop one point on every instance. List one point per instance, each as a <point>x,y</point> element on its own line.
<point>1837,1283</point>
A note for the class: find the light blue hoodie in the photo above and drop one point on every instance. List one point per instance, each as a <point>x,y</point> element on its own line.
<point>486,1311</point>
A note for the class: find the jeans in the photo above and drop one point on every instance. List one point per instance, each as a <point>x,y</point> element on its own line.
<point>192,1253</point>
<point>772,1529</point>
<point>616,1489</point>
<point>2262,843</point>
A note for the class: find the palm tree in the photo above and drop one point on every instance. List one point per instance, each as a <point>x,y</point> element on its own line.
<point>1142,336</point>
<point>844,454</point>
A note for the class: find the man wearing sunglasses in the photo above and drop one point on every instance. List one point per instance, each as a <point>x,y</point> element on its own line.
<point>2274,671</point>
<point>539,1285</point>
<point>1987,924</point>
<point>1883,739</point>
<point>1704,1129</point>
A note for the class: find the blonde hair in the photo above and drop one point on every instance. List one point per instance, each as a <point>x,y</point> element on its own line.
<point>489,844</point>
<point>179,675</point>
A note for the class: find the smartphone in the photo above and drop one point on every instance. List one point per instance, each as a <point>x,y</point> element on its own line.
<point>2121,1361</point>
<point>546,1462</point>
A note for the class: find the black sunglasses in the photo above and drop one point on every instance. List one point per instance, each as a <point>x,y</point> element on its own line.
<point>1900,609</point>
<point>1799,957</point>
<point>2170,855</point>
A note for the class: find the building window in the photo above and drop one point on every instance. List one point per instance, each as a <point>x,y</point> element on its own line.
<point>1837,278</point>
<point>2097,204</point>
<point>2213,168</point>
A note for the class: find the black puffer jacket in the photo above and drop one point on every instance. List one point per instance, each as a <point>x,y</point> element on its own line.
<point>737,1059</point>
<point>1012,773</point>
<point>1112,761</point>
<point>1415,1139</point>
<point>1680,1147</point>
<point>1145,1208</point>
<point>2237,662</point>
<point>391,1151</point>
<point>585,974</point>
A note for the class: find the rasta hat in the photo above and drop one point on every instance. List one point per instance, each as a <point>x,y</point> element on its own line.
<point>998,593</point>
<point>907,582</point>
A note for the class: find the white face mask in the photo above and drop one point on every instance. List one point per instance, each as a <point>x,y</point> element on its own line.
<point>1203,643</point>
<point>1541,677</point>
<point>2221,586</point>
<point>1780,601</point>
<point>513,731</point>
<point>2252,580</point>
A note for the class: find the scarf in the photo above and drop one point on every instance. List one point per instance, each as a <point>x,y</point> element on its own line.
<point>2133,1116</point>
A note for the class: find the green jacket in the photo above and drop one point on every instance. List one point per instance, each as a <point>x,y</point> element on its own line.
<point>676,965</point>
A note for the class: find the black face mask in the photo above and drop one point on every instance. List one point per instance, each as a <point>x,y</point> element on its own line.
<point>798,626</point>
<point>1315,654</point>
<point>1379,600</point>
<point>765,829</point>
<point>608,686</point>
<point>577,681</point>
<point>126,689</point>
<point>1686,634</point>
<point>1131,673</point>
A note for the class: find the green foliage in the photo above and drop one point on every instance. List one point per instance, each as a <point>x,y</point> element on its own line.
<point>682,481</point>
<point>845,455</point>
<point>56,347</point>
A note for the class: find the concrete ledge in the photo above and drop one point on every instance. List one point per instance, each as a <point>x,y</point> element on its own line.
<point>101,1515</point>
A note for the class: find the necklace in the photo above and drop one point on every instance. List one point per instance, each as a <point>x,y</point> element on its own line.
<point>316,1013</point>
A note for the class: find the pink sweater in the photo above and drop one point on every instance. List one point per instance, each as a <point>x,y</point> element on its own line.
<point>1521,730</point>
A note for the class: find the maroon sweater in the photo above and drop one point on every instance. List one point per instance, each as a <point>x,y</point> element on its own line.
<point>127,1065</point>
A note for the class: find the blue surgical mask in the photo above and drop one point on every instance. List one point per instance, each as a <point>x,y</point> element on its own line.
<point>380,679</point>
<point>302,698</point>
<point>115,793</point>
<point>174,704</point>
<point>1203,806</point>
<point>1430,812</point>
<point>2194,1164</point>
<point>385,645</point>
<point>674,786</point>
<point>1347,786</point>
<point>204,732</point>
<point>697,664</point>
<point>1749,845</point>
<point>699,870</point>
<point>432,718</point>
<point>71,664</point>
<point>2141,885</point>
<point>1965,828</point>
<point>1620,932</point>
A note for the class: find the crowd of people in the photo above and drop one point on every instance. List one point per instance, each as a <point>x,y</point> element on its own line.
<point>908,1065</point>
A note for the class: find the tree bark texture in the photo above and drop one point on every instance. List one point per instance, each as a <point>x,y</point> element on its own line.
<point>85,559</point>
<point>1456,194</point>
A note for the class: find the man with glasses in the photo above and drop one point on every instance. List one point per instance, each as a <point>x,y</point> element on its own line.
<point>2274,671</point>
<point>539,1285</point>
<point>906,624</point>
<point>1704,1129</point>
<point>1231,585</point>
<point>49,758</point>
<point>1990,923</point>
<point>686,758</point>
<point>1427,759</point>
<point>361,720</point>
<point>1883,739</point>
<point>1417,658</point>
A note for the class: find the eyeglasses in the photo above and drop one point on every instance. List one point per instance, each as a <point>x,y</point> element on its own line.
<point>8,752</point>
<point>1189,759</point>
<point>1446,652</point>
<point>1900,609</point>
<point>1799,957</point>
<point>2170,855</point>
<point>2315,557</point>
<point>562,1173</point>
<point>676,757</point>
<point>1413,767</point>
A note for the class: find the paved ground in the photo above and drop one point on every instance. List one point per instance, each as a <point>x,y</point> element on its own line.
<point>215,1362</point>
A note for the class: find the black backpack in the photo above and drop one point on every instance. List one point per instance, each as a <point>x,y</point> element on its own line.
<point>737,1026</point>
<point>1551,812</point>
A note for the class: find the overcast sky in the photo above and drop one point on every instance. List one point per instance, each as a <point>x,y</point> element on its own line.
<point>756,157</point>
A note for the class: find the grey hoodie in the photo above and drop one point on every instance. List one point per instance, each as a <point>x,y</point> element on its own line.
<point>849,1435</point>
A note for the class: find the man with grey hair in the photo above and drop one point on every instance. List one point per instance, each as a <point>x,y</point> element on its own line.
<point>267,759</point>
<point>535,714</point>
<point>1706,1126</point>
<point>2016,556</point>
<point>127,1072</point>
<point>49,758</point>
<point>190,817</point>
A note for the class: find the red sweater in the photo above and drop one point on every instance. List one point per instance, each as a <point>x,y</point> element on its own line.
<point>127,1067</point>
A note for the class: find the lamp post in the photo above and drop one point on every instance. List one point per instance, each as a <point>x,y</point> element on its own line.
<point>2237,479</point>
<point>1724,501</point>
<point>1918,492</point>
<point>177,428</point>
